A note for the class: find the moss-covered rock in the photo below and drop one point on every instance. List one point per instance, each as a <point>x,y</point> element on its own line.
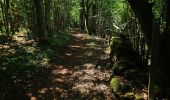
<point>129,66</point>
<point>139,98</point>
<point>119,85</point>
<point>128,96</point>
<point>115,84</point>
<point>123,51</point>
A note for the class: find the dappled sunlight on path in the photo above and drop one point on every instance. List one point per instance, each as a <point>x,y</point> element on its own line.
<point>81,72</point>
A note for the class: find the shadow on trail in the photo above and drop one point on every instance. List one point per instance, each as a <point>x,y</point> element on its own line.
<point>78,73</point>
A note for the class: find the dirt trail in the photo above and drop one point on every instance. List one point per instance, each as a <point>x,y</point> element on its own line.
<point>79,73</point>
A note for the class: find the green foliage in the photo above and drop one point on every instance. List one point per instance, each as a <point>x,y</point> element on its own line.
<point>121,9</point>
<point>115,83</point>
<point>20,67</point>
<point>75,12</point>
<point>158,7</point>
<point>128,96</point>
<point>24,61</point>
<point>59,39</point>
<point>119,85</point>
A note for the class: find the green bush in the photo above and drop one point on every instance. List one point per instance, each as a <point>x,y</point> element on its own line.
<point>59,39</point>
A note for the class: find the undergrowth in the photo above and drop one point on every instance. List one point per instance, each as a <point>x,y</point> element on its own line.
<point>59,39</point>
<point>21,64</point>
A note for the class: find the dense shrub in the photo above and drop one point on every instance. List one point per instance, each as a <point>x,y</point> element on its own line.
<point>59,39</point>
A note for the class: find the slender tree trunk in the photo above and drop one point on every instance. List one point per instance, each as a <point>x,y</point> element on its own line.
<point>82,12</point>
<point>47,15</point>
<point>6,17</point>
<point>168,17</point>
<point>94,12</point>
<point>87,24</point>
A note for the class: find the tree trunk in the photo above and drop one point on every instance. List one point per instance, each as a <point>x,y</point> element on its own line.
<point>153,69</point>
<point>82,12</point>
<point>86,14</point>
<point>87,26</point>
<point>42,33</point>
<point>168,17</point>
<point>143,11</point>
<point>165,54</point>
<point>159,70</point>
<point>47,15</point>
<point>94,12</point>
<point>6,17</point>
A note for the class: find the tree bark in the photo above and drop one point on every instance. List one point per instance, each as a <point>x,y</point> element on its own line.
<point>6,7</point>
<point>88,4</point>
<point>47,15</point>
<point>165,54</point>
<point>168,17</point>
<point>94,12</point>
<point>143,11</point>
<point>153,69</point>
<point>159,68</point>
<point>42,31</point>
<point>82,11</point>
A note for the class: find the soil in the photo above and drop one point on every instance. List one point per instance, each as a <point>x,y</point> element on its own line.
<point>79,72</point>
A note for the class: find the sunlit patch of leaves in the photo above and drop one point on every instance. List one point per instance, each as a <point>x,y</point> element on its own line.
<point>90,82</point>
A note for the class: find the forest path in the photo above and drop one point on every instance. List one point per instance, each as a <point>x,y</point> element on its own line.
<point>80,72</point>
